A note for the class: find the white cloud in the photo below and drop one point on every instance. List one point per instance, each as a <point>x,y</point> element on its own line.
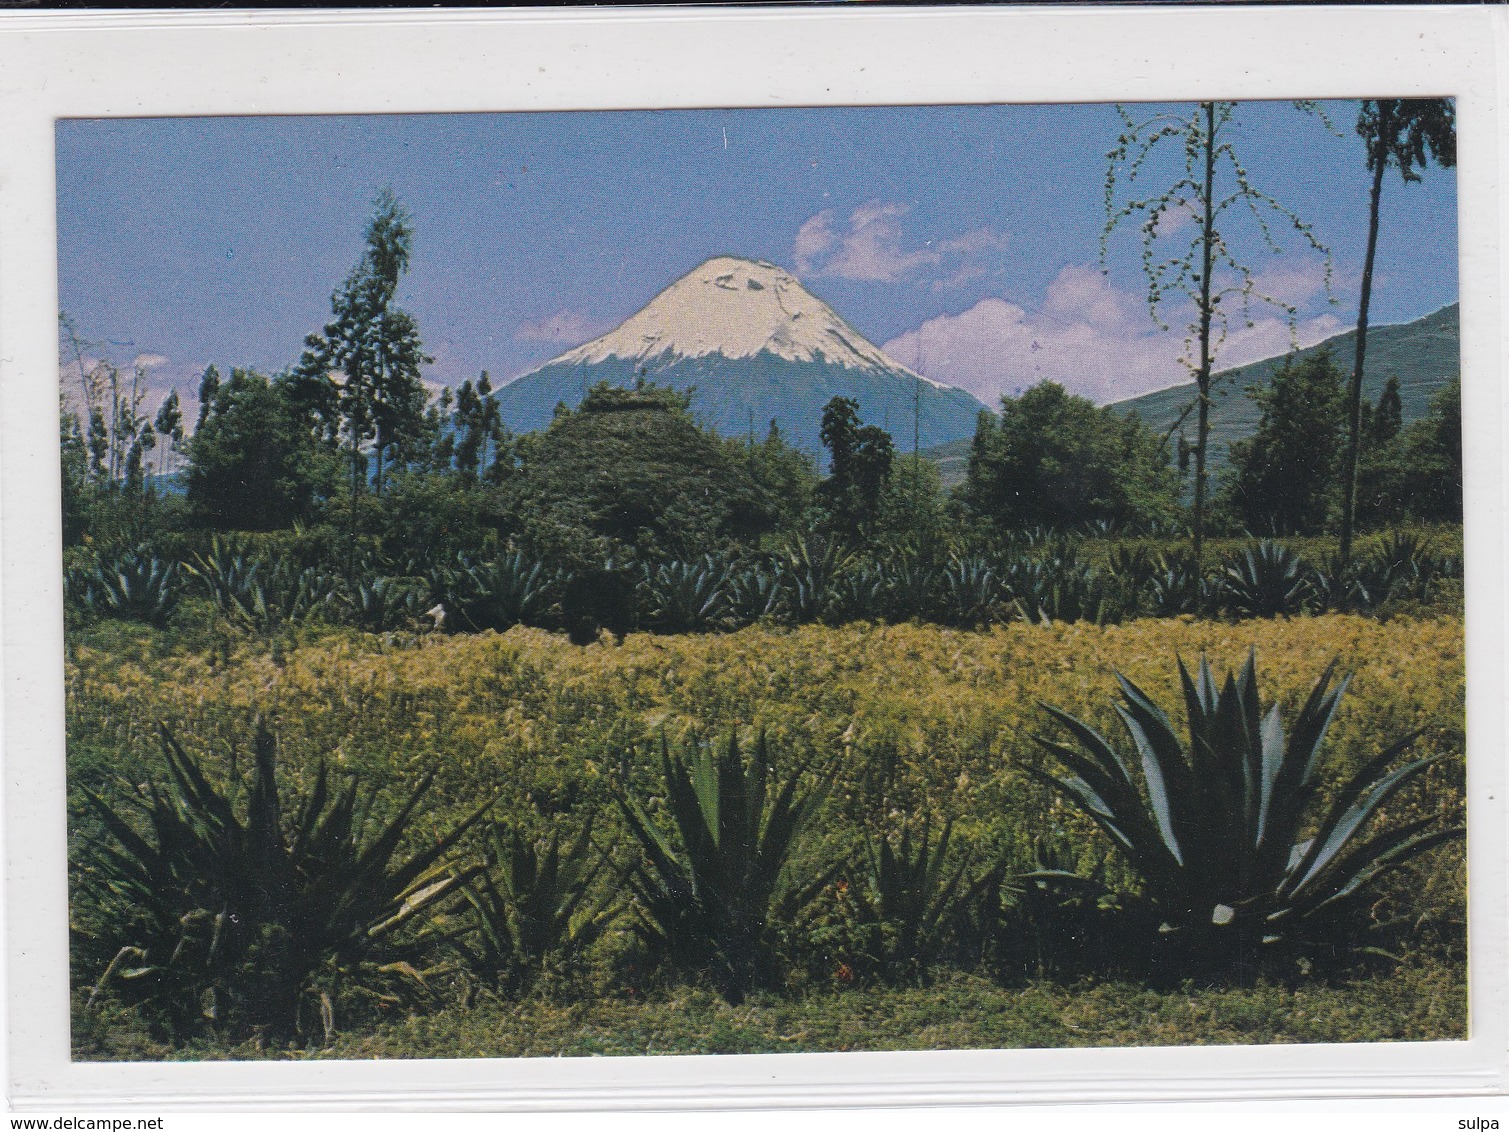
<point>1088,336</point>
<point>869,246</point>
<point>564,326</point>
<point>1294,283</point>
<point>813,238</point>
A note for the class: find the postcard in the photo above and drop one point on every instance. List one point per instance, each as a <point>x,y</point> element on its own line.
<point>955,585</point>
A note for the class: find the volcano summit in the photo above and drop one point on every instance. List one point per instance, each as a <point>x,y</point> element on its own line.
<point>757,347</point>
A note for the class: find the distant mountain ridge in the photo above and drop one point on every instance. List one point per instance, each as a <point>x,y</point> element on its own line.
<point>756,346</point>
<point>1424,355</point>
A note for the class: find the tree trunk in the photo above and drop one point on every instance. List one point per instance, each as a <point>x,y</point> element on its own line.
<point>1354,389</point>
<point>1202,376</point>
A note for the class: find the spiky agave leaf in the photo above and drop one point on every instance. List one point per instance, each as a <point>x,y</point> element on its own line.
<point>538,901</point>
<point>706,897</point>
<point>1214,828</point>
<point>251,908</point>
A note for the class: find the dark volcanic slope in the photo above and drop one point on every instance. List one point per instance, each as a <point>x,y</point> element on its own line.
<point>740,395</point>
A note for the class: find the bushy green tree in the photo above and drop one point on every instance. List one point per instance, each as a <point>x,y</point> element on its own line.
<point>482,445</point>
<point>253,464</point>
<point>915,510</point>
<point>860,458</point>
<point>1381,469</point>
<point>784,479</point>
<point>1056,460</point>
<point>169,426</point>
<point>1283,478</point>
<point>1432,480</point>
<point>631,469</point>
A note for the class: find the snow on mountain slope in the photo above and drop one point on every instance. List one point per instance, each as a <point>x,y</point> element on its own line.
<point>754,347</point>
<point>738,308</point>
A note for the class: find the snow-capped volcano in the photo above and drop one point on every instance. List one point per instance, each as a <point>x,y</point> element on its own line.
<point>757,347</point>
<point>737,308</point>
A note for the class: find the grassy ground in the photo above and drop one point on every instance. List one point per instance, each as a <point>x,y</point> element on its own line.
<point>1415,1003</point>
<point>904,719</point>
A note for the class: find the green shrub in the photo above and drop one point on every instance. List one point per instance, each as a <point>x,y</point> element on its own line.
<point>1220,841</point>
<point>708,899</point>
<point>254,922</point>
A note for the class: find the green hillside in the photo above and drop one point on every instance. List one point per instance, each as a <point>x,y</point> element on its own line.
<point>1424,355</point>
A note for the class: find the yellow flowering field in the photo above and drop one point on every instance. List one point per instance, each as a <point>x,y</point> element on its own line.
<point>913,716</point>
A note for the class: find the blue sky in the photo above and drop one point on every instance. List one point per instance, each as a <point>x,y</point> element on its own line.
<point>965,240</point>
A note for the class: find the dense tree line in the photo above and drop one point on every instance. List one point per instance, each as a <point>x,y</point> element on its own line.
<point>347,443</point>
<point>1290,477</point>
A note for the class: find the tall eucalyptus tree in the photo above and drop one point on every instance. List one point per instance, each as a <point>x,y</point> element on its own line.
<point>374,346</point>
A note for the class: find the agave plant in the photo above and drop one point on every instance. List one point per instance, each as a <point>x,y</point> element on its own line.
<point>970,593</point>
<point>911,586</point>
<point>1332,586</point>
<point>382,602</point>
<point>1410,564</point>
<point>224,572</point>
<point>812,565</point>
<point>134,585</point>
<point>1400,550</point>
<point>258,594</point>
<point>1265,580</point>
<point>1227,836</point>
<point>537,904</point>
<point>914,898</point>
<point>1178,586</point>
<point>710,890</point>
<point>500,593</point>
<point>756,592</point>
<point>254,918</point>
<point>857,594</point>
<point>686,597</point>
<point>1026,583</point>
<point>1057,587</point>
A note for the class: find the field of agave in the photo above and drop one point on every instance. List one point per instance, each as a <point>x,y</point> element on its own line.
<point>1036,576</point>
<point>290,832</point>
